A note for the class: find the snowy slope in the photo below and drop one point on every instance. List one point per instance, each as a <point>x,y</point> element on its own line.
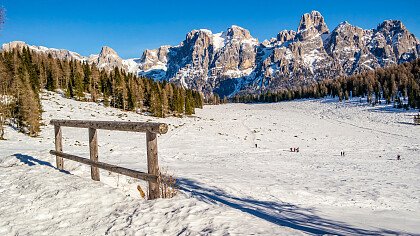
<point>228,186</point>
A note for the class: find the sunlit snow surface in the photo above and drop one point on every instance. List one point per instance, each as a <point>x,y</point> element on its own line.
<point>228,186</point>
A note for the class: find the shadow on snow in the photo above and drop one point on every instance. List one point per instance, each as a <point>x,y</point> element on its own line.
<point>279,213</point>
<point>31,161</point>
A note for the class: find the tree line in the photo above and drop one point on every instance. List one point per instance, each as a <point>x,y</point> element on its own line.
<point>24,73</point>
<point>397,84</point>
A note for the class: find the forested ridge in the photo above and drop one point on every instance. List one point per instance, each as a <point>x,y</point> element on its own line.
<point>24,73</point>
<point>398,84</point>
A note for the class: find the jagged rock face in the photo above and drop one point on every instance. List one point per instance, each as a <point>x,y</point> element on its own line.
<point>107,59</point>
<point>285,35</point>
<point>295,55</point>
<point>154,57</point>
<point>233,61</point>
<point>188,64</point>
<point>393,43</point>
<point>312,24</point>
<point>359,50</point>
<point>347,45</point>
<point>237,55</point>
<point>203,60</point>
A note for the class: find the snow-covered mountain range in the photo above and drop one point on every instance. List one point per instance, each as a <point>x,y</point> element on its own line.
<point>234,62</point>
<point>107,58</point>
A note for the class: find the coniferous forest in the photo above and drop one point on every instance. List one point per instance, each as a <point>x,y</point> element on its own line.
<point>398,84</point>
<point>23,74</point>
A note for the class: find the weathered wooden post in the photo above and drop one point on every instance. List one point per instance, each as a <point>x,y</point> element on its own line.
<point>58,146</point>
<point>152,163</point>
<point>151,130</point>
<point>93,150</point>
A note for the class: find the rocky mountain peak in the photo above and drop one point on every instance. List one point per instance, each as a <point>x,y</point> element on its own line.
<point>391,25</point>
<point>286,35</point>
<point>154,58</point>
<point>393,42</point>
<point>234,62</point>
<point>236,32</point>
<point>200,37</point>
<point>313,20</point>
<point>107,59</point>
<point>343,24</point>
<point>105,51</point>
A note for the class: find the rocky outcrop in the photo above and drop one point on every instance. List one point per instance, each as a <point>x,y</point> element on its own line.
<point>156,57</point>
<point>234,62</point>
<point>312,24</point>
<point>107,59</point>
<point>203,60</point>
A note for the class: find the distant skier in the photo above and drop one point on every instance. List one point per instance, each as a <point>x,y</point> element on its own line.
<point>398,157</point>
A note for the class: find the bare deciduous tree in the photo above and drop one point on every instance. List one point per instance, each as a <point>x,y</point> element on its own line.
<point>3,108</point>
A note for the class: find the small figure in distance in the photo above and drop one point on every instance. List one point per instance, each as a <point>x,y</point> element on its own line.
<point>297,149</point>
<point>398,157</point>
<point>256,145</point>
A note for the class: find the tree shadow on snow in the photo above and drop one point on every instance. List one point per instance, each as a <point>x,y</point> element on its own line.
<point>31,161</point>
<point>279,213</point>
<point>391,109</point>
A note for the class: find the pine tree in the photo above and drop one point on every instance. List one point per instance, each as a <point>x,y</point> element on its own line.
<point>189,103</point>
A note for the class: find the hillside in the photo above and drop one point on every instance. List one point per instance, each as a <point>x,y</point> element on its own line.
<point>227,185</point>
<point>234,62</point>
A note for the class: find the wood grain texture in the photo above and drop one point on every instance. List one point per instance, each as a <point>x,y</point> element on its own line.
<point>109,167</point>
<point>152,163</point>
<point>93,150</point>
<point>58,146</point>
<point>158,128</point>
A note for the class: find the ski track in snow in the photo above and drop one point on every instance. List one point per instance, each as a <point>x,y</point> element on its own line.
<point>227,185</point>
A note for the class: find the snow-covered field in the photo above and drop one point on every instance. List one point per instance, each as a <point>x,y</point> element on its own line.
<point>227,184</point>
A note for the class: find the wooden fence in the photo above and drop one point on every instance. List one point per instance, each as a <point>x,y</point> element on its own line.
<point>151,130</point>
<point>417,119</point>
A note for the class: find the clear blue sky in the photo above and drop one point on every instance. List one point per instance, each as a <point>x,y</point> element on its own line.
<point>132,26</point>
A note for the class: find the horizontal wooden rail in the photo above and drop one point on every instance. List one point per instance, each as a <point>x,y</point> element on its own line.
<point>157,128</point>
<point>109,167</point>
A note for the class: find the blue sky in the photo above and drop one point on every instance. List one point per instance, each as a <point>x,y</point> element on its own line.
<point>132,26</point>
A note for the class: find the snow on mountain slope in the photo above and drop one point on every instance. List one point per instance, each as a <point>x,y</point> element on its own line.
<point>228,185</point>
<point>107,59</point>
<point>57,53</point>
<point>230,62</point>
<point>233,61</point>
